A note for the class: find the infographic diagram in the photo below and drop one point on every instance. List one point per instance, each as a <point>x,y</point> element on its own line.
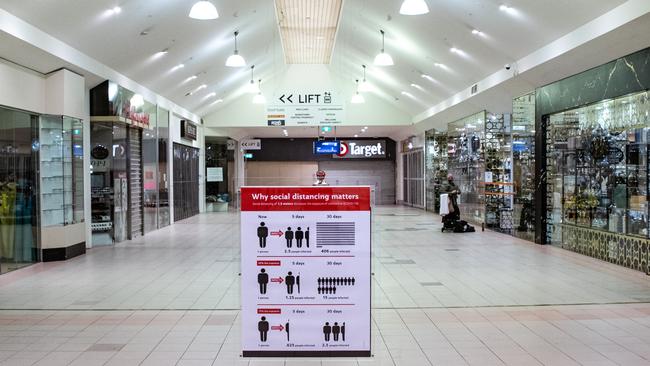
<point>305,271</point>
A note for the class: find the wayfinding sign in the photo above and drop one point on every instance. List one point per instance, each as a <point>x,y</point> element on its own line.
<point>305,255</point>
<point>306,108</point>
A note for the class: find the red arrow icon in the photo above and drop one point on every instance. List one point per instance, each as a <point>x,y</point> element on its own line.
<point>277,279</point>
<point>278,233</point>
<point>277,327</point>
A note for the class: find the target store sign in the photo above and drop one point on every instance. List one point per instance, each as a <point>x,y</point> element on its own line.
<point>362,149</point>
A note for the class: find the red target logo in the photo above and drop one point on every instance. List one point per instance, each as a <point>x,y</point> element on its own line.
<point>344,149</point>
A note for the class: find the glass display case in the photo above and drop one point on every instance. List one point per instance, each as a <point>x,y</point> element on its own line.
<point>600,179</point>
<point>465,155</point>
<point>61,159</point>
<point>435,167</point>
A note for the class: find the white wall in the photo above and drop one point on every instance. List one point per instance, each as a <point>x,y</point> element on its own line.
<point>21,88</point>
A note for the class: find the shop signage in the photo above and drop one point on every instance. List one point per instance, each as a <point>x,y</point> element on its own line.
<point>362,149</point>
<point>214,174</point>
<point>299,109</point>
<point>231,144</point>
<point>305,262</point>
<point>251,144</point>
<point>188,130</point>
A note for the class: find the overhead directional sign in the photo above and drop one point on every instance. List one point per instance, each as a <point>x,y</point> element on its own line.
<point>310,108</point>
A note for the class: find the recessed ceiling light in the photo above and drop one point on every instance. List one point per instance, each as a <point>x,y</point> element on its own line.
<point>203,86</point>
<point>179,66</point>
<point>438,64</point>
<point>211,95</point>
<point>193,77</point>
<point>365,128</point>
<point>116,10</point>
<point>356,135</point>
<point>454,50</point>
<point>408,94</point>
<point>415,85</point>
<point>503,7</point>
<point>477,32</point>
<point>161,53</point>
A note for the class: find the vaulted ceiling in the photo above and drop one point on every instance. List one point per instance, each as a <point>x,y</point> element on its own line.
<point>130,42</point>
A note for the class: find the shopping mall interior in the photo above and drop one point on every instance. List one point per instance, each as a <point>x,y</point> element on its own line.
<point>324,182</point>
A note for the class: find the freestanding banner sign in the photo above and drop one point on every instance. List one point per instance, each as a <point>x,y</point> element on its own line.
<point>305,255</point>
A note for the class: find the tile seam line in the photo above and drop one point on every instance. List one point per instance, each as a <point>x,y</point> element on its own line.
<point>377,308</point>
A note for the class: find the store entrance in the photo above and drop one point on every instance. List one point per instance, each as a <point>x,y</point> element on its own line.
<point>413,170</point>
<point>19,148</point>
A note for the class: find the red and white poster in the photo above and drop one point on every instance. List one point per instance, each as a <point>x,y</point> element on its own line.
<point>305,255</point>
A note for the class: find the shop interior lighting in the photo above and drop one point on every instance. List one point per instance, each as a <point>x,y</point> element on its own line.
<point>259,97</point>
<point>365,86</point>
<point>252,86</point>
<point>413,7</point>
<point>235,60</point>
<point>383,58</point>
<point>204,10</point>
<point>358,98</point>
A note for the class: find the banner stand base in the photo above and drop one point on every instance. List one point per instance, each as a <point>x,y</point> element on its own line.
<point>306,354</point>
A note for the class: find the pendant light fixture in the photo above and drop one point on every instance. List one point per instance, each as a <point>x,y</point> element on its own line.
<point>382,58</point>
<point>235,60</point>
<point>365,86</point>
<point>204,10</point>
<point>259,97</point>
<point>413,7</point>
<point>252,87</point>
<point>358,98</point>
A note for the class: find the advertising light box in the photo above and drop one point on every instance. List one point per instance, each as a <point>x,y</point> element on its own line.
<point>327,147</point>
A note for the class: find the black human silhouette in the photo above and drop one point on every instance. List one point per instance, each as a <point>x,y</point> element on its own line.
<point>319,289</point>
<point>263,280</point>
<point>289,236</point>
<point>262,234</point>
<point>263,327</point>
<point>318,281</point>
<point>352,281</point>
<point>327,330</point>
<point>290,280</point>
<point>286,329</point>
<point>336,330</point>
<point>298,282</point>
<point>299,236</point>
<point>334,290</point>
<point>343,331</point>
<point>345,281</point>
<point>307,237</point>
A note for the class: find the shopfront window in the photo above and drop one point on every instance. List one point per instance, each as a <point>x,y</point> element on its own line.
<point>218,163</point>
<point>523,154</point>
<point>600,179</point>
<point>163,167</point>
<point>435,166</point>
<point>19,189</point>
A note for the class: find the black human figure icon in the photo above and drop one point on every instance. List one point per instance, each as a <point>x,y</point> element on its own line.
<point>289,236</point>
<point>307,237</point>
<point>345,281</point>
<point>263,280</point>
<point>352,281</point>
<point>327,330</point>
<point>286,329</point>
<point>263,327</point>
<point>299,236</point>
<point>318,281</point>
<point>336,329</point>
<point>298,282</point>
<point>290,280</point>
<point>334,290</point>
<point>319,289</point>
<point>262,234</point>
<point>343,331</point>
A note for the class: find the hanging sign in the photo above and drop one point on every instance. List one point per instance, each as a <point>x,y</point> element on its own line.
<point>299,109</point>
<point>251,144</point>
<point>305,255</point>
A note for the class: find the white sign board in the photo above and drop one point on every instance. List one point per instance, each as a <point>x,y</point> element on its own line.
<point>215,175</point>
<point>231,144</point>
<point>251,144</point>
<point>305,255</point>
<point>301,109</point>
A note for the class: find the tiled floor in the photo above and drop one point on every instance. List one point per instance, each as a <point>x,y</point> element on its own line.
<point>439,299</point>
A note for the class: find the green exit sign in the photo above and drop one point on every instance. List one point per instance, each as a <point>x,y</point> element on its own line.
<point>326,128</point>
<point>248,156</point>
